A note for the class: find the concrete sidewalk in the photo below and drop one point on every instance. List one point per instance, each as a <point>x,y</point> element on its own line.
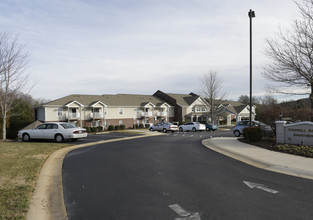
<point>262,158</point>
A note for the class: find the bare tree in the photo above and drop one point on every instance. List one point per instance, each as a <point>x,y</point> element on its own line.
<point>13,76</point>
<point>268,100</point>
<point>292,54</point>
<point>245,99</point>
<point>211,86</point>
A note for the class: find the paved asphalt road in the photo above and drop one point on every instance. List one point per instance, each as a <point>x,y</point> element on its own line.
<point>175,177</point>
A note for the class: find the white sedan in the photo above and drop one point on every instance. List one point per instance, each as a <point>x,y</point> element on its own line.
<point>164,126</point>
<point>58,131</point>
<point>192,126</point>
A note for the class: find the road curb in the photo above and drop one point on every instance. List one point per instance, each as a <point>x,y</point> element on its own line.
<point>47,201</point>
<point>258,162</point>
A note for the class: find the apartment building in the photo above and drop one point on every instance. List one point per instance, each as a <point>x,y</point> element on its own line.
<point>128,109</point>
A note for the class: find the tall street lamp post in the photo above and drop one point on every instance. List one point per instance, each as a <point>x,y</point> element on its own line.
<point>251,15</point>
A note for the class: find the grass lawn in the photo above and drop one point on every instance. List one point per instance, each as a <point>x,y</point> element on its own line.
<point>20,164</point>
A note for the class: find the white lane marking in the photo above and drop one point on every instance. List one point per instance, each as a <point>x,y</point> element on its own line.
<point>260,186</point>
<point>183,214</point>
<point>179,210</point>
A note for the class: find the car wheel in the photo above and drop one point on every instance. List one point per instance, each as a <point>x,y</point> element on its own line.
<point>181,129</point>
<point>237,133</point>
<point>164,130</point>
<point>194,129</point>
<point>25,137</point>
<point>59,138</point>
<point>151,129</point>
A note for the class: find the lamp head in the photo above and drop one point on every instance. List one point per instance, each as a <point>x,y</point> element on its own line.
<point>251,14</point>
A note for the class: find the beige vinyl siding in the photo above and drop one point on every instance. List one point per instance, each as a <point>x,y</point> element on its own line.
<point>128,112</point>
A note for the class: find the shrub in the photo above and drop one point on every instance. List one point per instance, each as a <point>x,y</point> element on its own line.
<point>111,128</point>
<point>136,126</point>
<point>117,127</point>
<point>147,125</point>
<point>253,133</point>
<point>87,129</point>
<point>141,126</point>
<point>122,127</point>
<point>93,129</point>
<point>100,128</point>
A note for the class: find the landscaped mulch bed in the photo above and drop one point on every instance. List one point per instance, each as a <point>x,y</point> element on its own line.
<point>270,144</point>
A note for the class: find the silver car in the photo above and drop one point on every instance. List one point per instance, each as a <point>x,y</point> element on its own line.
<point>192,126</point>
<point>58,131</point>
<point>238,129</point>
<point>164,126</point>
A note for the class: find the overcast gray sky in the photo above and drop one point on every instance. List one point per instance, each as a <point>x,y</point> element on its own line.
<point>141,46</point>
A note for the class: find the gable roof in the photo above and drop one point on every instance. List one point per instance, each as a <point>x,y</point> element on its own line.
<point>183,99</point>
<point>226,103</point>
<point>109,100</point>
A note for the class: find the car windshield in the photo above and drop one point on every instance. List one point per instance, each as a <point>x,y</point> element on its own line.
<point>66,126</point>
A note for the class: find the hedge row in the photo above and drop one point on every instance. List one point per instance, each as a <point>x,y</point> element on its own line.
<point>136,126</point>
<point>116,127</point>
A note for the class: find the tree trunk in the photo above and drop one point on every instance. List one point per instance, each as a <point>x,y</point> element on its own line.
<point>311,99</point>
<point>4,127</point>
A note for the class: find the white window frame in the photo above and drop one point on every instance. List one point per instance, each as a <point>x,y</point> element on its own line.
<point>60,112</point>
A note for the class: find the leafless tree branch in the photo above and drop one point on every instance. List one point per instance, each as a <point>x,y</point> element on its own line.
<point>211,86</point>
<point>292,55</point>
<point>13,75</point>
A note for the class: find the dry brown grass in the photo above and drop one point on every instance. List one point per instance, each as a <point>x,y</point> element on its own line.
<point>20,164</point>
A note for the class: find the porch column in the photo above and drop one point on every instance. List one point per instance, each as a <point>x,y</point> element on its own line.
<point>228,119</point>
<point>81,121</point>
<point>145,113</point>
<point>238,118</point>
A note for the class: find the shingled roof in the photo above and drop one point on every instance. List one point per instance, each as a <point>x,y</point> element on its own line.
<point>109,100</point>
<point>183,99</point>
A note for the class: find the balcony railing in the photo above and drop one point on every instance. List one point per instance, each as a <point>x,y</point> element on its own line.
<point>96,115</point>
<point>72,115</point>
<point>161,114</point>
<point>145,114</point>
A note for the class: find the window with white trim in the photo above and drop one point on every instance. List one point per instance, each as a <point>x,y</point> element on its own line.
<point>60,112</point>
